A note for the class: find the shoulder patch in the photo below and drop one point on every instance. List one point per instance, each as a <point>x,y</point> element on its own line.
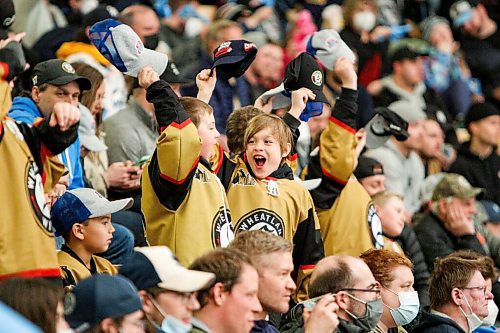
<point>222,228</point>
<point>375,227</point>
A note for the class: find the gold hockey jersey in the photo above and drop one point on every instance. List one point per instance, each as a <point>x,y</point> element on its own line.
<point>183,201</point>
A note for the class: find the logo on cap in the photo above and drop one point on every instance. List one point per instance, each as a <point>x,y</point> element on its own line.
<point>317,78</point>
<point>248,46</point>
<point>35,79</point>
<point>69,303</point>
<point>174,69</point>
<point>331,42</point>
<point>139,47</point>
<point>224,48</point>
<point>66,66</point>
<point>9,20</point>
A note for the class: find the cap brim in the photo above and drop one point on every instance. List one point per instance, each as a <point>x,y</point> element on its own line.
<point>374,140</point>
<point>321,97</point>
<point>82,81</point>
<point>472,193</point>
<point>461,19</point>
<point>187,281</point>
<point>329,59</point>
<point>232,59</point>
<point>113,207</point>
<point>92,143</point>
<point>280,101</point>
<point>156,60</point>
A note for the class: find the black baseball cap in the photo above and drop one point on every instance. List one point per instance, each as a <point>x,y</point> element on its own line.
<point>407,51</point>
<point>58,73</point>
<point>384,124</point>
<point>305,72</point>
<point>233,57</point>
<point>7,13</point>
<point>478,111</point>
<point>368,167</point>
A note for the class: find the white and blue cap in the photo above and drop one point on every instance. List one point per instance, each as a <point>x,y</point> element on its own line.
<point>78,205</point>
<point>118,43</point>
<point>460,13</point>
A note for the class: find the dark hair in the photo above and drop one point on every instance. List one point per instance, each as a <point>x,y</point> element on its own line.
<point>226,264</point>
<point>237,123</point>
<point>331,280</point>
<point>35,299</point>
<point>88,97</point>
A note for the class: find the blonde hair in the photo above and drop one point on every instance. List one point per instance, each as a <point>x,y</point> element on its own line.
<point>258,243</point>
<point>381,198</point>
<point>195,108</point>
<point>279,129</point>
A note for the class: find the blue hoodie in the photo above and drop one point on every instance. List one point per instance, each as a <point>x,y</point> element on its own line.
<point>25,110</point>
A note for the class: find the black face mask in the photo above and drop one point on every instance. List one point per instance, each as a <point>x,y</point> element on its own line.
<point>151,41</point>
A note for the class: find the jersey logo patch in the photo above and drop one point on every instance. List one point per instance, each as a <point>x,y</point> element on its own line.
<point>222,228</point>
<point>375,226</point>
<point>37,198</point>
<point>243,178</point>
<point>201,176</point>
<point>261,219</point>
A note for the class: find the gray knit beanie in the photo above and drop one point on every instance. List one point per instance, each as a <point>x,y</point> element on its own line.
<point>429,23</point>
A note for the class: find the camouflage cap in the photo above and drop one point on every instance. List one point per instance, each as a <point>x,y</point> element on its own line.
<point>454,185</point>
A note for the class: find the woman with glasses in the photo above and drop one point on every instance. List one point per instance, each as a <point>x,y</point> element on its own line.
<point>394,273</point>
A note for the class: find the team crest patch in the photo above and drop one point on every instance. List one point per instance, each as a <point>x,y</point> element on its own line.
<point>224,48</point>
<point>261,219</point>
<point>249,46</point>
<point>375,226</point>
<point>66,66</point>
<point>243,178</point>
<point>36,196</point>
<point>317,78</point>
<point>222,228</point>
<point>139,47</point>
<point>330,43</point>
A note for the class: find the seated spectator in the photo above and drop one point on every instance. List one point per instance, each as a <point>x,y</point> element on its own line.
<point>407,83</point>
<point>492,221</point>
<point>356,292</point>
<point>105,304</point>
<point>394,273</point>
<point>370,174</point>
<point>459,297</point>
<point>231,304</point>
<point>435,155</point>
<point>38,300</point>
<point>272,258</point>
<point>144,21</point>
<point>55,85</point>
<point>448,226</point>
<point>446,71</point>
<point>167,289</point>
<point>367,39</point>
<point>83,218</point>
<point>403,168</point>
<point>478,160</point>
<point>480,40</point>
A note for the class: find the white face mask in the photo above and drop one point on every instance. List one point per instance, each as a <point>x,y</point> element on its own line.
<point>408,307</point>
<point>472,319</point>
<point>171,324</point>
<point>492,314</point>
<point>364,21</point>
<point>65,330</point>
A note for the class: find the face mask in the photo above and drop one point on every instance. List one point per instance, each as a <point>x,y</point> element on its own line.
<point>408,307</point>
<point>492,314</point>
<point>372,315</point>
<point>472,319</point>
<point>364,21</point>
<point>312,109</point>
<point>151,41</point>
<point>170,324</point>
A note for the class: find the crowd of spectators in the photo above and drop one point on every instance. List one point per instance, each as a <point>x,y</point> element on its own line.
<point>249,166</point>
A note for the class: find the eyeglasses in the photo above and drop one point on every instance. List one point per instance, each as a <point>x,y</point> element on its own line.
<point>373,288</point>
<point>186,298</point>
<point>483,289</point>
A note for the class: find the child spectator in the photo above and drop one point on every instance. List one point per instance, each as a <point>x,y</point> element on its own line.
<point>83,218</point>
<point>391,210</point>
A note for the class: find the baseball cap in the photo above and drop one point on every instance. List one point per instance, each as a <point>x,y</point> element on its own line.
<point>407,110</point>
<point>384,124</point>
<point>118,43</point>
<point>7,13</point>
<point>58,73</point>
<point>478,111</point>
<point>304,72</point>
<point>99,297</point>
<point>327,46</point>
<point>492,211</point>
<point>368,167</point>
<point>78,205</point>
<point>156,266</point>
<point>460,12</point>
<point>86,131</point>
<point>233,57</point>
<point>455,185</point>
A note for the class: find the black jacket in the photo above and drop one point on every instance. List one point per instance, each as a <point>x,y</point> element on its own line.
<point>479,172</point>
<point>436,241</point>
<point>431,323</point>
<point>412,249</point>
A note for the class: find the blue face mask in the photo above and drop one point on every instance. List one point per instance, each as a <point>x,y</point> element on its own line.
<point>312,109</point>
<point>171,324</point>
<point>409,305</point>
